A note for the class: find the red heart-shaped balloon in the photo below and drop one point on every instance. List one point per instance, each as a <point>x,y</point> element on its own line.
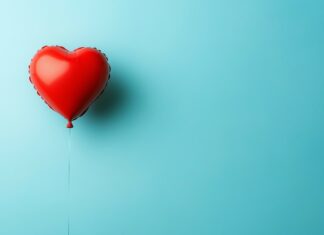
<point>69,81</point>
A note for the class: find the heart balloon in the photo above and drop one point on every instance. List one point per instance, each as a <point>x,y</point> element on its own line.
<point>69,81</point>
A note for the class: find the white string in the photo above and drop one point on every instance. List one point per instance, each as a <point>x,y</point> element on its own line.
<point>69,181</point>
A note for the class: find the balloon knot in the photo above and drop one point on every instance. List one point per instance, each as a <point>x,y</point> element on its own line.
<point>69,124</point>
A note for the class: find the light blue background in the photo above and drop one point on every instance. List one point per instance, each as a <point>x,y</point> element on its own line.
<point>213,122</point>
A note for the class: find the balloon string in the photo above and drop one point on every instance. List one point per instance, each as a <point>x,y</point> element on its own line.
<point>69,182</point>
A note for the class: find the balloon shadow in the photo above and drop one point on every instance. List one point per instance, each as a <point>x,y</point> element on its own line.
<point>112,101</point>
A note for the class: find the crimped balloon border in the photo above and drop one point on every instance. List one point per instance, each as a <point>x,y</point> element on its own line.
<point>100,94</point>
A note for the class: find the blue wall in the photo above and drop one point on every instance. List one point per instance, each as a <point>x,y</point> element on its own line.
<point>212,122</point>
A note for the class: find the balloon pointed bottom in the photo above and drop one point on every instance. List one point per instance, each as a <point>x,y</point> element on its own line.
<point>69,124</point>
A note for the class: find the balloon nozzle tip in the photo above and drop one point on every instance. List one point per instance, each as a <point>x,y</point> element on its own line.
<point>69,124</point>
